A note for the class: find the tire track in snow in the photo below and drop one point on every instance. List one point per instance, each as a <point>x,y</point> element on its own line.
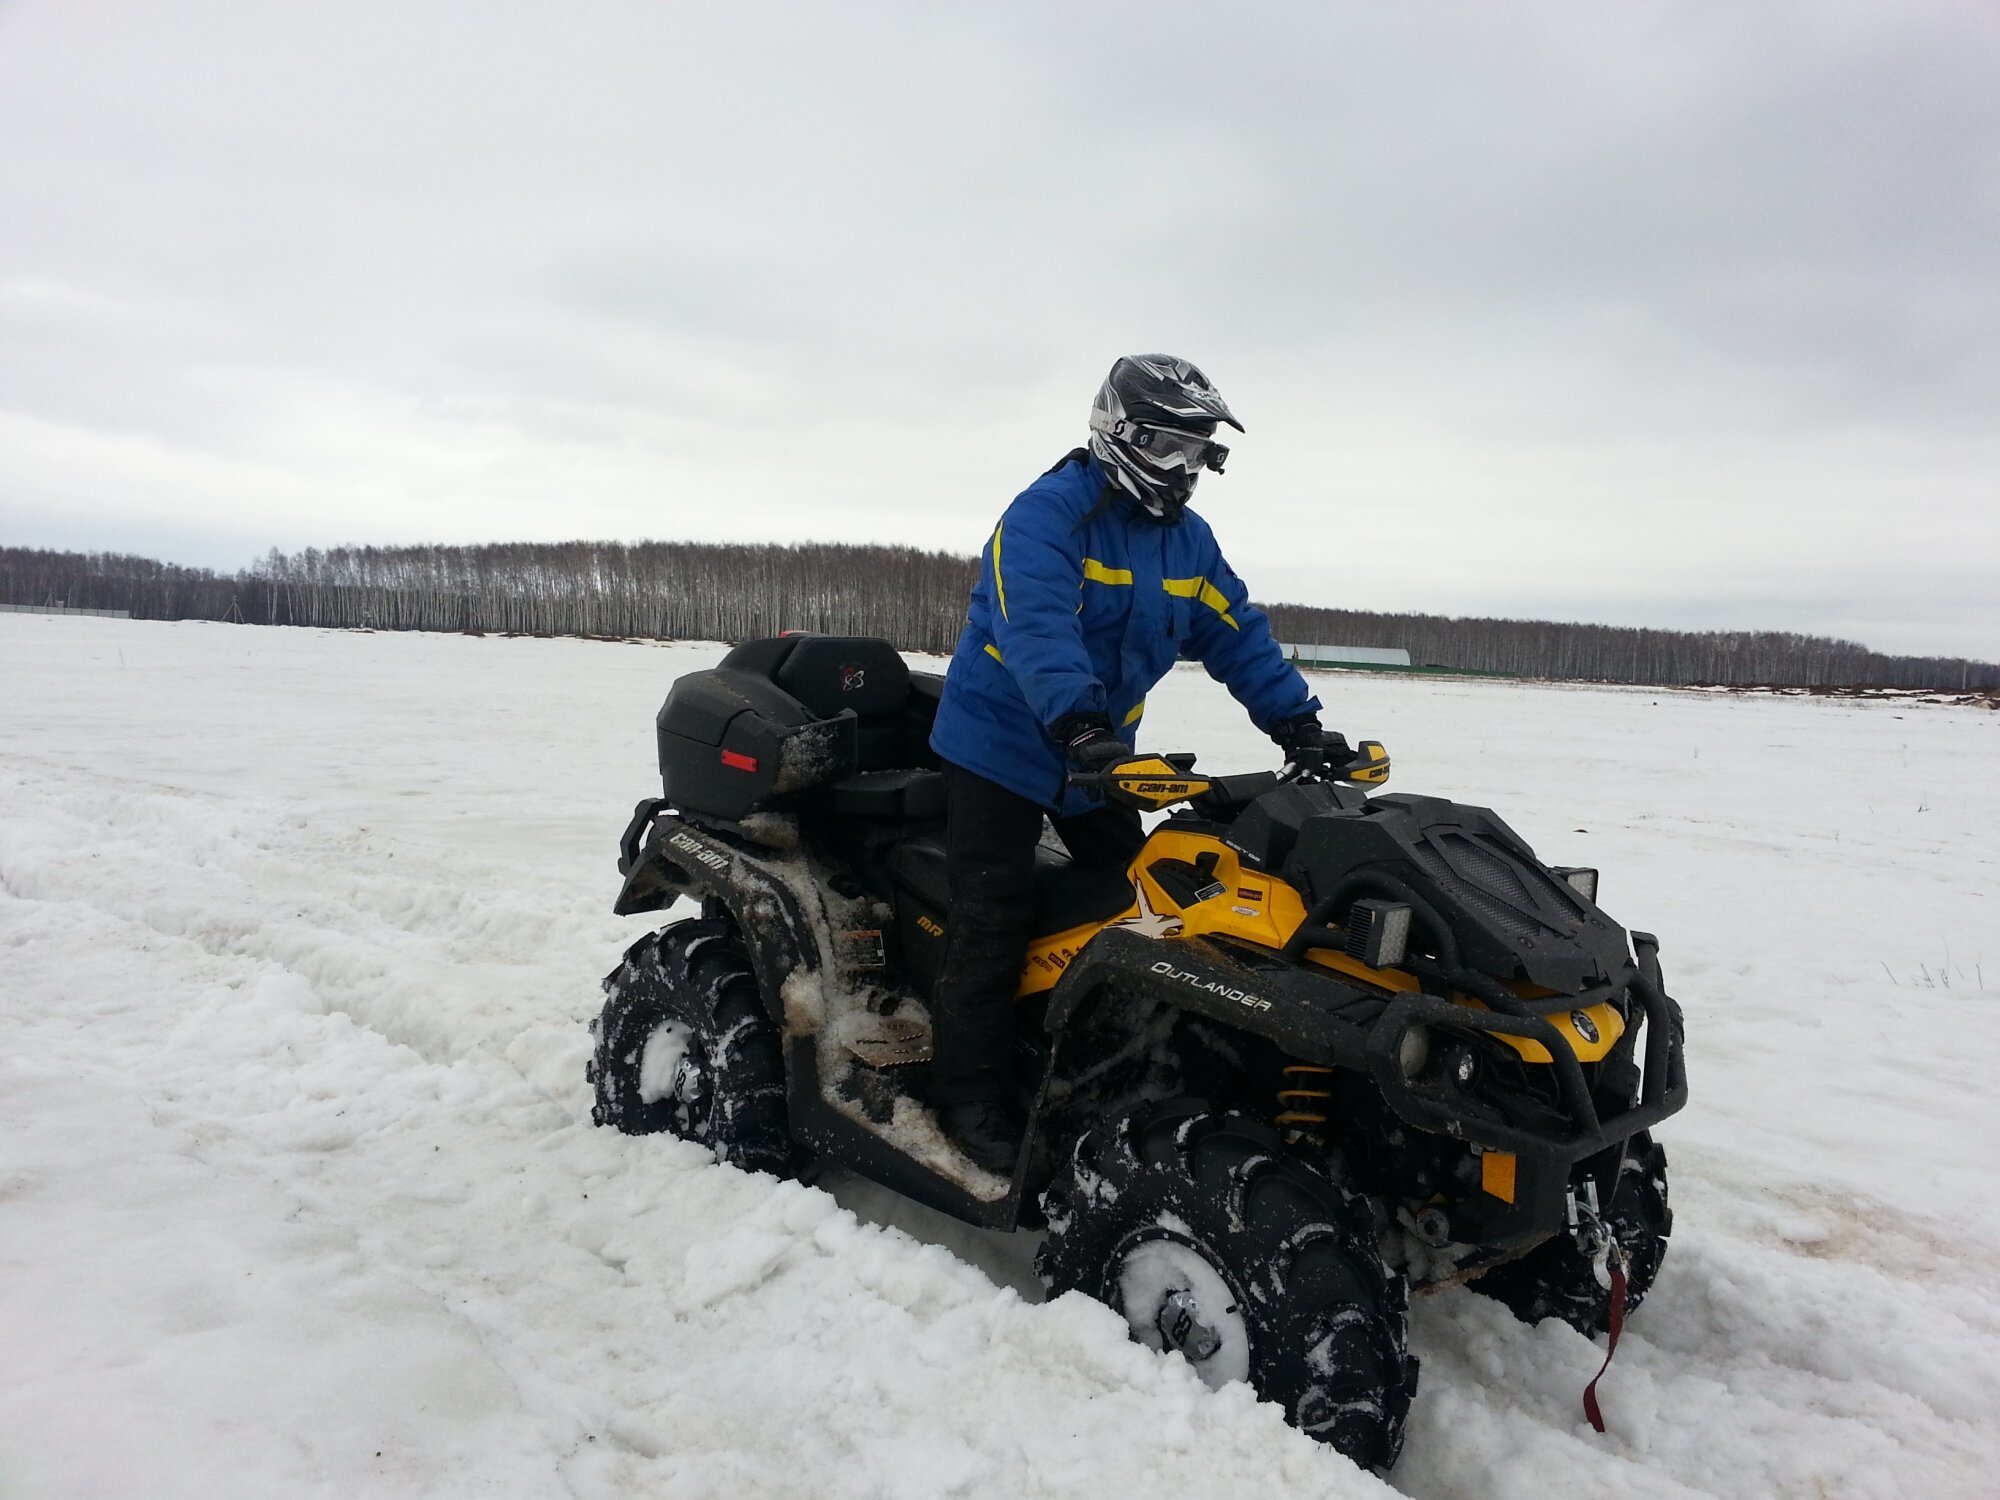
<point>380,945</point>
<point>634,1294</point>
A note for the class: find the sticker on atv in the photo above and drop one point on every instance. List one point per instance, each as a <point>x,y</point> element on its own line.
<point>1242,997</point>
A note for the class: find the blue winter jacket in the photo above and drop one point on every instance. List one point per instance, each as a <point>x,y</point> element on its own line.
<point>1081,607</point>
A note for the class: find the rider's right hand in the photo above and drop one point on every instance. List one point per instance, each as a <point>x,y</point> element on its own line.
<point>1088,742</point>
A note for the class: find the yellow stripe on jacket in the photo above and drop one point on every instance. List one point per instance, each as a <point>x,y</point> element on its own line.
<point>1095,572</point>
<point>999,583</point>
<point>1206,592</point>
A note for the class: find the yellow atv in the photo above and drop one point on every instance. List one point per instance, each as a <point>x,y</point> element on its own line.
<point>1312,1048</point>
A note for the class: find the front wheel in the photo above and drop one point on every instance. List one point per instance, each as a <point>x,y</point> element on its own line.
<point>1216,1244</point>
<point>1557,1280</point>
<point>684,1045</point>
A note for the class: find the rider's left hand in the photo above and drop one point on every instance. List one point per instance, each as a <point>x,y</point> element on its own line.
<point>1309,746</point>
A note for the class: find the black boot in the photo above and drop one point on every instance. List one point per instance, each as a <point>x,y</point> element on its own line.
<point>989,1133</point>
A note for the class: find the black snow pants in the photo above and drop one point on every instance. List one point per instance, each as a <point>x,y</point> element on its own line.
<point>990,861</point>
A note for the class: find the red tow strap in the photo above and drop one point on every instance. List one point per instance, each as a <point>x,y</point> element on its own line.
<point>1590,1406</point>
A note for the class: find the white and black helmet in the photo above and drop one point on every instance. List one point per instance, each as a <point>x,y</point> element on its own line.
<point>1153,427</point>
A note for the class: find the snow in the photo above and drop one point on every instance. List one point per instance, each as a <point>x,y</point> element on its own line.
<point>660,1062</point>
<point>299,1195</point>
<point>1155,1271</point>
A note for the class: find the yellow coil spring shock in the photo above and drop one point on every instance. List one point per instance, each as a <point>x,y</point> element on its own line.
<point>1303,1099</point>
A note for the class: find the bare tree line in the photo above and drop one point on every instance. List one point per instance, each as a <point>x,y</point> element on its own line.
<point>1620,653</point>
<point>719,591</point>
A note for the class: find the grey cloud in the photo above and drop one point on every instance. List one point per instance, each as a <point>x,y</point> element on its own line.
<point>1508,297</point>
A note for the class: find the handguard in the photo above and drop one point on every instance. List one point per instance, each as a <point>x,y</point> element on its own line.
<point>1153,782</point>
<point>1370,766</point>
<point>1147,782</point>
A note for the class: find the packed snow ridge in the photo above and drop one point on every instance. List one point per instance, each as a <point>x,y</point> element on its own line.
<point>299,1196</point>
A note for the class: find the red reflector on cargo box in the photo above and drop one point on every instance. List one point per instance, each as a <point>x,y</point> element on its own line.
<point>735,760</point>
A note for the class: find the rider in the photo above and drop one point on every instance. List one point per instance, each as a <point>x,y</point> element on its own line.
<point>1097,579</point>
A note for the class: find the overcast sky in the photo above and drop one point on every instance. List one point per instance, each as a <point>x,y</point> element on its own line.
<point>1671,314</point>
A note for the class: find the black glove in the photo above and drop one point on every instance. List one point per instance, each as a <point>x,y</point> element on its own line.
<point>1309,747</point>
<point>1088,742</point>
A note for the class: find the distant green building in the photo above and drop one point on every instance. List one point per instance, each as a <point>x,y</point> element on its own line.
<point>1347,656</point>
<point>1373,659</point>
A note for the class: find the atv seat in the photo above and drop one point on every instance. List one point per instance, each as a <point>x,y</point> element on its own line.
<point>1066,894</point>
<point>911,795</point>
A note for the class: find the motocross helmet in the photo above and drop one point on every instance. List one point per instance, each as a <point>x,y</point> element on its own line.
<point>1153,427</point>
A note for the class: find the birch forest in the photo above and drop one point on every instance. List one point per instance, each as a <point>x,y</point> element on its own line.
<point>916,600</point>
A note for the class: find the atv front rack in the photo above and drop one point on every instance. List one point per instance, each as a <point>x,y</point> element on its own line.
<point>1438,1104</point>
<point>1317,1016</point>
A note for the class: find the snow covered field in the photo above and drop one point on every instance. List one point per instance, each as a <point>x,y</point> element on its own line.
<point>299,1197</point>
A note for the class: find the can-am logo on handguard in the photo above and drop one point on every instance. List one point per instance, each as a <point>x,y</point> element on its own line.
<point>853,679</point>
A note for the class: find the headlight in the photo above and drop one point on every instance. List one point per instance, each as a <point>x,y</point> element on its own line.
<point>1414,1050</point>
<point>1578,878</point>
<point>1378,933</point>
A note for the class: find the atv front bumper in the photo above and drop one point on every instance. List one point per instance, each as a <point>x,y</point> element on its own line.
<point>1434,1100</point>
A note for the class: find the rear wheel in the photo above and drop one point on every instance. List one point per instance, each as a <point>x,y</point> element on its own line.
<point>1215,1244</point>
<point>1557,1280</point>
<point>684,1045</point>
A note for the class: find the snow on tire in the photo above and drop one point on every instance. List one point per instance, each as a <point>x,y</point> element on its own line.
<point>1213,1242</point>
<point>684,1045</point>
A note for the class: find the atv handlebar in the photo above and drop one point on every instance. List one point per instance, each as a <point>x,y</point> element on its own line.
<point>1154,782</point>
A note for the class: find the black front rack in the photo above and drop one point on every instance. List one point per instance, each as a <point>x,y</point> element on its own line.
<point>1447,1110</point>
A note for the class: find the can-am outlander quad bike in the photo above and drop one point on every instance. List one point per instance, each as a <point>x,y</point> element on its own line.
<point>1313,1047</point>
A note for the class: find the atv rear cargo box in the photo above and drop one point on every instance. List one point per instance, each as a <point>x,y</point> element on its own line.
<point>731,741</point>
